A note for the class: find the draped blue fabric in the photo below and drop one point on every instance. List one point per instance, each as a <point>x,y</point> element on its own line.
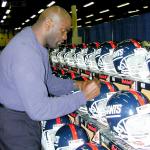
<point>137,27</point>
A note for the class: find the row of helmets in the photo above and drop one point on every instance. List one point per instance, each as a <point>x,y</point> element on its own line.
<point>126,58</point>
<point>125,113</point>
<point>61,134</point>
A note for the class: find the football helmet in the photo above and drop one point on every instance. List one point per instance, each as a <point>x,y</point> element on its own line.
<point>49,129</point>
<point>60,55</point>
<point>56,123</point>
<point>129,59</point>
<point>97,106</point>
<point>69,137</point>
<point>80,51</point>
<point>91,146</point>
<point>53,56</point>
<point>68,56</point>
<point>128,116</point>
<point>104,57</point>
<point>89,58</point>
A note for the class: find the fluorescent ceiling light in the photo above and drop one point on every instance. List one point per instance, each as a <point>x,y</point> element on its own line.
<point>98,19</point>
<point>87,22</point>
<point>16,29</point>
<point>2,21</point>
<point>4,3</point>
<point>122,5</point>
<point>23,23</point>
<point>79,26</point>
<point>134,15</point>
<point>4,17</point>
<point>40,11</point>
<point>51,3</point>
<point>133,11</point>
<point>7,11</point>
<point>79,19</point>
<point>89,4</point>
<point>27,20</point>
<point>19,28</point>
<point>111,16</point>
<point>33,16</point>
<point>145,7</point>
<point>89,16</point>
<point>89,26</point>
<point>103,11</point>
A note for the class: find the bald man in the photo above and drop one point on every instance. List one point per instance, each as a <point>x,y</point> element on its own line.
<point>26,80</point>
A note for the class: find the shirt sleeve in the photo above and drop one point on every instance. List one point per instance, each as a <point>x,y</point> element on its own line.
<point>58,86</point>
<point>28,75</point>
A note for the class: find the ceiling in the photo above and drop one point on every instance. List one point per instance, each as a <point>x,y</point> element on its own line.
<point>21,10</point>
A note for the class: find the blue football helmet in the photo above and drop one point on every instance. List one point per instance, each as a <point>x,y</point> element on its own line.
<point>89,58</point>
<point>97,106</point>
<point>69,137</point>
<point>54,123</point>
<point>128,116</point>
<point>50,127</point>
<point>129,59</point>
<point>104,57</point>
<point>80,51</point>
<point>91,146</point>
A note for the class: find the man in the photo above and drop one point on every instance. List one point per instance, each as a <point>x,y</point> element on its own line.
<point>26,79</point>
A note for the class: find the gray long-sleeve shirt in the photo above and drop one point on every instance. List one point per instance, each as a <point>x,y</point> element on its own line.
<point>26,79</point>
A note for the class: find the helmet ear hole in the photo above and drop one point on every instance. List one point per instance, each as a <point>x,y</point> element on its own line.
<point>125,110</point>
<point>70,136</point>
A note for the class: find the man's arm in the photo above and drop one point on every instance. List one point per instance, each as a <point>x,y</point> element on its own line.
<point>28,75</point>
<point>58,86</point>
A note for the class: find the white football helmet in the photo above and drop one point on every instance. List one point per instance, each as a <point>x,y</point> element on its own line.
<point>60,55</point>
<point>53,56</point>
<point>68,56</point>
<point>80,51</point>
<point>89,58</point>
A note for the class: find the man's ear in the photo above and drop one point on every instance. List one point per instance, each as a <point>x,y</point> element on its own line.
<point>48,24</point>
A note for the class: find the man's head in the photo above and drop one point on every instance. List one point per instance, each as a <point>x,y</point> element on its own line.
<point>52,26</point>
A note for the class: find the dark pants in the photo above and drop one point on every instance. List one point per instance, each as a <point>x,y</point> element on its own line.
<point>18,131</point>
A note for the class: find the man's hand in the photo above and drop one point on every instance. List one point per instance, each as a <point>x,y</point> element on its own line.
<point>90,88</point>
